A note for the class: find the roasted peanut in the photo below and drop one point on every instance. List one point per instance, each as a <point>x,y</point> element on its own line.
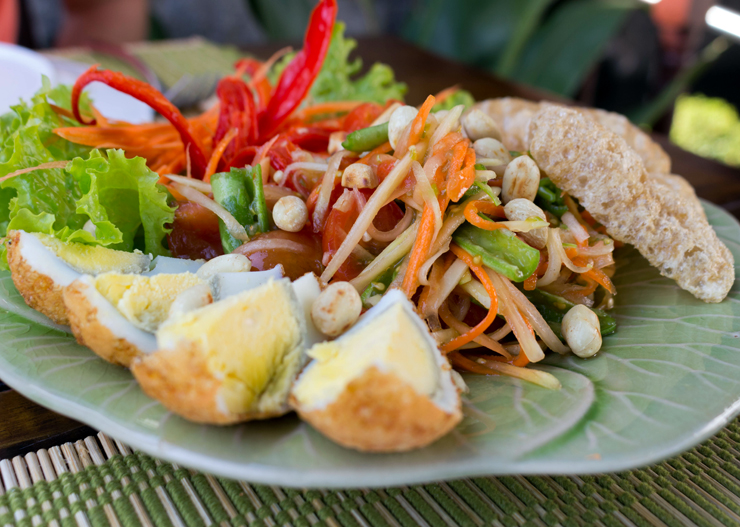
<point>399,120</point>
<point>290,213</point>
<point>490,148</point>
<point>227,263</point>
<point>190,299</point>
<point>359,175</point>
<point>582,331</point>
<point>520,209</point>
<point>521,179</point>
<point>479,125</point>
<point>336,308</point>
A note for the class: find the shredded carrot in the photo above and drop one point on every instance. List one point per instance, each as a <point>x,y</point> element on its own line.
<point>455,175</point>
<point>326,108</point>
<point>419,251</point>
<point>416,131</point>
<point>460,361</point>
<point>447,93</point>
<point>521,360</point>
<point>600,278</point>
<point>378,150</point>
<point>493,309</point>
<point>461,327</point>
<point>217,153</point>
<point>596,275</point>
<point>473,208</point>
<point>447,142</point>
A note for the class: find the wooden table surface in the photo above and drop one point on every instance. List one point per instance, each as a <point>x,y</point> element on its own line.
<point>25,426</point>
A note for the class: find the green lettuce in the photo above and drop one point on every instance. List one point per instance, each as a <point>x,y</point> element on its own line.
<point>46,197</point>
<point>338,81</point>
<point>120,197</point>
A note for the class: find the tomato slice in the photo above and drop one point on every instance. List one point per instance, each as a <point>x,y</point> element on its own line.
<point>295,264</point>
<point>194,233</point>
<point>362,116</point>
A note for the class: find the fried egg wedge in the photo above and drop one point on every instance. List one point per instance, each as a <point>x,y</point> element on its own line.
<point>233,360</point>
<point>383,386</point>
<point>42,266</point>
<point>116,314</point>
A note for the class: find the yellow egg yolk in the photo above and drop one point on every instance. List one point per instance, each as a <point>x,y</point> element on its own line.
<point>144,300</point>
<point>250,341</point>
<point>95,259</point>
<point>392,342</point>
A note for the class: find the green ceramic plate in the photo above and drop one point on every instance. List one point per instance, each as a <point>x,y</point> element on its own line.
<point>669,378</point>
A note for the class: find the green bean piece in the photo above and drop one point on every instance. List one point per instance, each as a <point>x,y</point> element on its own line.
<point>366,138</point>
<point>380,285</point>
<point>549,198</point>
<point>553,308</point>
<point>500,250</point>
<point>230,192</point>
<point>258,206</point>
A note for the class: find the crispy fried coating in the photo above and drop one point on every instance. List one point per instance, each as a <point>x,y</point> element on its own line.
<point>599,168</point>
<point>91,332</point>
<point>38,290</point>
<point>513,115</point>
<point>180,379</point>
<point>378,412</point>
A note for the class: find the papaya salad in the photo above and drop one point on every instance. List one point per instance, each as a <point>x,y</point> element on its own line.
<point>304,165</point>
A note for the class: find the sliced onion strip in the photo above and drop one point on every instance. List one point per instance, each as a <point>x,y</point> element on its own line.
<point>233,226</point>
<point>579,232</point>
<point>526,338</point>
<point>389,236</point>
<point>197,184</point>
<point>554,263</point>
<point>327,186</point>
<point>389,256</point>
<point>527,309</point>
<point>272,244</point>
<point>450,122</point>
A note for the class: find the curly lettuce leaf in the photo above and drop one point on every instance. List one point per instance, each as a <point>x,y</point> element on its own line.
<point>120,197</point>
<point>338,81</point>
<point>27,139</point>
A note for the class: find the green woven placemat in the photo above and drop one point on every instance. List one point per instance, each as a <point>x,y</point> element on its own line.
<point>100,481</point>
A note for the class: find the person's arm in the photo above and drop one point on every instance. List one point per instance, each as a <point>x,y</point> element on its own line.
<point>115,21</point>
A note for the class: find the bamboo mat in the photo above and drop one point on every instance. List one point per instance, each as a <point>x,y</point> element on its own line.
<point>99,482</point>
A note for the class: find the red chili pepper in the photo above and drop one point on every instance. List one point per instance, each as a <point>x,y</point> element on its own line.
<point>299,75</point>
<point>148,95</point>
<point>237,111</point>
<point>263,88</point>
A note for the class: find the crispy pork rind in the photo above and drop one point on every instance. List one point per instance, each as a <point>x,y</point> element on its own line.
<point>599,168</point>
<point>513,116</point>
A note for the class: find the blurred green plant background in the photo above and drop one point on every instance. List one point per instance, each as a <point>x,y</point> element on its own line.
<point>555,45</point>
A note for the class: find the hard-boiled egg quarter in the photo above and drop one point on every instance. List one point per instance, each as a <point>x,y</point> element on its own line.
<point>235,359</point>
<point>382,386</point>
